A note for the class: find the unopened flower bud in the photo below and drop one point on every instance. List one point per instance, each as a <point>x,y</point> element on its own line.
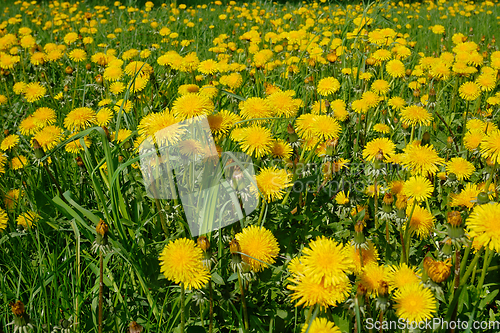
<point>388,199</point>
<point>102,228</point>
<point>401,201</point>
<point>39,153</point>
<point>135,328</point>
<point>455,218</point>
<point>203,243</point>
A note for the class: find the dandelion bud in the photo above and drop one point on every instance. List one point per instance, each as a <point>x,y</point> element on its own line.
<point>442,176</point>
<point>6,132</point>
<point>408,72</point>
<point>21,318</point>
<point>79,162</point>
<point>98,79</point>
<point>68,70</point>
<point>449,141</point>
<point>401,201</point>
<point>102,233</point>
<point>447,250</point>
<point>203,243</point>
<point>359,226</point>
<point>370,61</point>
<point>39,153</point>
<point>102,228</point>
<point>455,218</point>
<point>388,199</point>
<point>106,131</point>
<point>234,247</point>
<point>88,66</point>
<point>439,271</point>
<point>483,198</point>
<point>135,328</point>
<point>18,308</point>
<point>416,93</point>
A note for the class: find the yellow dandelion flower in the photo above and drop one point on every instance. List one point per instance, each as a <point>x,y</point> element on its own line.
<point>395,68</point>
<point>375,279</point>
<point>370,256</point>
<point>75,147</point>
<point>418,187</point>
<point>77,55</point>
<point>320,325</point>
<point>308,292</point>
<point>325,127</point>
<point>342,198</point>
<point>255,107</point>
<point>472,139</point>
<point>272,183</point>
<point>483,225</point>
<point>397,102</point>
<point>469,91</point>
<point>18,162</point>
<point>104,116</point>
<point>138,68</point>
<point>258,246</point>
<point>44,116</point>
<point>328,86</point>
<point>79,119</point>
<point>460,167</point>
<point>208,67</point>
<point>27,219</point>
<point>192,105</point>
<point>327,261</point>
<point>490,146</point>
<point>34,91</point>
<point>4,220</point>
<point>70,37</point>
<point>113,73</point>
<point>415,115</point>
<point>163,127</point>
<point>378,146</point>
<point>9,142</point>
<point>49,137</point>
<point>182,262</point>
<point>381,128</point>
<point>283,104</point>
<point>222,122</point>
<point>188,89</point>
<point>421,160</point>
<point>403,275</point>
<point>117,87</point>
<point>414,303</point>
<point>257,141</point>
<point>422,221</point>
<point>380,87</point>
<point>138,83</point>
<point>281,149</point>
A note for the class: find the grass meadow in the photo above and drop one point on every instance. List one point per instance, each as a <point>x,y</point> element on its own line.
<point>298,167</point>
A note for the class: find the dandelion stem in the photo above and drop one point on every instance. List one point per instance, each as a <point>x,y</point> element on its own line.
<point>464,260</point>
<point>457,270</point>
<point>406,239</point>
<point>183,305</point>
<point>473,264</point>
<point>375,195</point>
<point>243,302</point>
<point>101,286</point>
<point>488,255</point>
<point>211,309</point>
